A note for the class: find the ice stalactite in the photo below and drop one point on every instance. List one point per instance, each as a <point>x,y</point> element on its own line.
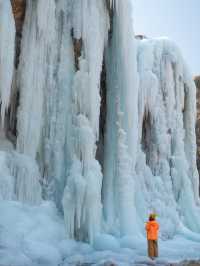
<point>7,53</point>
<point>45,76</point>
<point>167,163</point>
<point>124,181</point>
<point>90,25</point>
<point>6,179</point>
<point>19,178</point>
<point>56,145</point>
<point>62,127</point>
<point>27,178</point>
<point>37,45</point>
<point>121,84</point>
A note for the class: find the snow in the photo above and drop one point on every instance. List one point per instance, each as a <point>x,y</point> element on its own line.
<point>106,242</point>
<point>30,235</point>
<point>35,236</point>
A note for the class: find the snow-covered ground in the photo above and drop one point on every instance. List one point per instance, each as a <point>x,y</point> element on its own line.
<point>35,236</point>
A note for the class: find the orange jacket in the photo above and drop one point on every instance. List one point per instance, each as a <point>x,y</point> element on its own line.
<point>152,228</point>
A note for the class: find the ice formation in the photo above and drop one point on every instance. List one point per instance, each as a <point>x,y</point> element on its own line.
<point>7,44</point>
<point>80,62</point>
<point>166,150</point>
<point>121,124</point>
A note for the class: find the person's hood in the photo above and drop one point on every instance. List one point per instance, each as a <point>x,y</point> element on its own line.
<point>153,223</point>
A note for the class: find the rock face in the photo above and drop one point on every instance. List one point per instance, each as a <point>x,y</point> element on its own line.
<point>197,82</point>
<point>19,8</point>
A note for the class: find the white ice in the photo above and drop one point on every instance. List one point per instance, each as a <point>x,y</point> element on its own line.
<point>7,52</point>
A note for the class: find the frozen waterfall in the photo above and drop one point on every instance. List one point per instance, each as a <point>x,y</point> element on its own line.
<point>105,123</point>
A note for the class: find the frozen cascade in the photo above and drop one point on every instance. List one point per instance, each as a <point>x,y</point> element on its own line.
<point>44,129</point>
<point>37,44</point>
<point>57,136</point>
<point>149,161</point>
<point>166,164</point>
<point>19,175</point>
<point>122,88</point>
<point>82,195</point>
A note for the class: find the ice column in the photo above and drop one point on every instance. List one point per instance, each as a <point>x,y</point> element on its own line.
<point>7,52</point>
<point>121,66</point>
<point>35,69</point>
<point>82,196</point>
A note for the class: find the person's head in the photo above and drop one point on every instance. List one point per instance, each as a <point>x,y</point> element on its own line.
<point>152,217</point>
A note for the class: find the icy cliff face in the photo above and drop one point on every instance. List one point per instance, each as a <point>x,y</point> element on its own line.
<point>166,145</point>
<point>147,145</point>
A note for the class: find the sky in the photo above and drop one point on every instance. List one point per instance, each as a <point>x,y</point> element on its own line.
<point>179,20</point>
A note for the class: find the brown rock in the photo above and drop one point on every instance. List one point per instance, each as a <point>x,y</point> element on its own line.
<point>19,9</point>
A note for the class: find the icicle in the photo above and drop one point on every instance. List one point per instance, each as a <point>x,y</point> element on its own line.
<point>19,178</point>
<point>37,43</point>
<point>7,52</point>
<point>73,200</point>
<point>27,177</point>
<point>125,187</point>
<point>7,181</point>
<point>90,25</point>
<point>122,82</point>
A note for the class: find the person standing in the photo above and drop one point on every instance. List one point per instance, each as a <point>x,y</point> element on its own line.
<point>152,229</point>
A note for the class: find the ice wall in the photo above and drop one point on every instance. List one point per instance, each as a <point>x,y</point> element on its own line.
<point>166,163</point>
<point>19,175</point>
<point>149,153</point>
<point>152,126</point>
<point>45,76</point>
<point>61,128</point>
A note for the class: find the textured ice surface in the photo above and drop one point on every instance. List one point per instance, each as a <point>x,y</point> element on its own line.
<point>7,44</point>
<point>121,125</point>
<point>19,178</point>
<point>30,235</point>
<point>166,164</point>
